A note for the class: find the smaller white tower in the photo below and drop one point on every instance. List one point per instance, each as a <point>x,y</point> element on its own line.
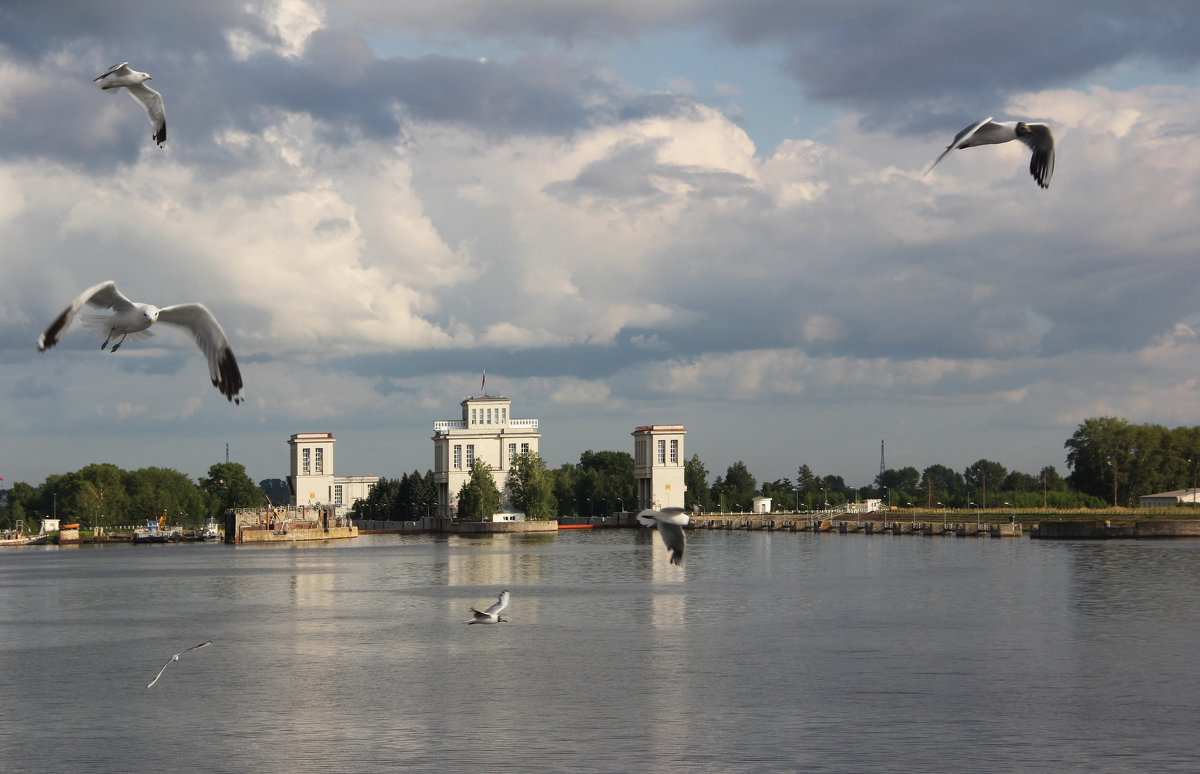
<point>658,466</point>
<point>312,468</point>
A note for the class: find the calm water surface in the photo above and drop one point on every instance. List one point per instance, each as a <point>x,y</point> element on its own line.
<point>766,653</point>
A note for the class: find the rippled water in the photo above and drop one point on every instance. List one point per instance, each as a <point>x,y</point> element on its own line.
<point>767,652</point>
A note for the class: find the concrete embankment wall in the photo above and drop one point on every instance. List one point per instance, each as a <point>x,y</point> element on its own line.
<point>1102,530</point>
<point>272,536</point>
<point>482,527</point>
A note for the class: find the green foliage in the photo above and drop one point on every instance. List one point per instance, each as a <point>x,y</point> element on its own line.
<point>530,487</point>
<point>736,490</point>
<point>155,490</point>
<point>276,490</point>
<point>563,486</point>
<point>1114,460</point>
<point>782,493</point>
<point>695,479</point>
<point>478,498</point>
<point>411,497</point>
<point>105,495</point>
<point>227,486</point>
<point>603,482</point>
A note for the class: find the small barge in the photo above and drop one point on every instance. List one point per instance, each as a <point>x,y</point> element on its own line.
<point>287,524</point>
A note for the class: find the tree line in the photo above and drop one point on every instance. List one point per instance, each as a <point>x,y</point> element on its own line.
<point>1111,462</point>
<point>104,495</point>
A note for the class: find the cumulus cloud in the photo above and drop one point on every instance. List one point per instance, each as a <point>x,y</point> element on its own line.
<point>374,220</point>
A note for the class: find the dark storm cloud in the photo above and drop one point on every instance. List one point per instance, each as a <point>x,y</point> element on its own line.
<point>913,64</point>
<point>920,63</point>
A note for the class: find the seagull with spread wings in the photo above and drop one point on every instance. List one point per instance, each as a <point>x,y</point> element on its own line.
<point>492,614</point>
<point>135,83</point>
<point>670,523</point>
<point>132,319</point>
<point>175,658</point>
<point>988,132</point>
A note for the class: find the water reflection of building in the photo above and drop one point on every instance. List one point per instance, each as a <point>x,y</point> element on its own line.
<point>486,432</point>
<point>312,481</point>
<point>658,466</point>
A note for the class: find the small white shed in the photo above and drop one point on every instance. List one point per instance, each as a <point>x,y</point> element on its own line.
<point>760,505</point>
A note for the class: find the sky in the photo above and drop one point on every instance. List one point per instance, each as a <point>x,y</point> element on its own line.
<point>662,211</point>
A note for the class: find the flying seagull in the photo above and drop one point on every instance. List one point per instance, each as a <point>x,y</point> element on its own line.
<point>492,614</point>
<point>988,132</point>
<point>175,658</point>
<point>130,319</point>
<point>670,523</point>
<point>135,83</point>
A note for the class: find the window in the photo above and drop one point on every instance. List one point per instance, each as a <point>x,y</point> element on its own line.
<point>674,452</point>
<point>306,455</point>
<point>489,416</point>
<point>524,448</point>
<point>503,416</point>
<point>512,452</point>
<point>662,451</point>
<point>472,416</point>
<point>320,461</point>
<point>458,455</point>
<point>337,494</point>
<point>470,454</point>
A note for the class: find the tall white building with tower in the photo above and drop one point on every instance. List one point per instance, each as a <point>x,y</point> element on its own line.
<point>312,481</point>
<point>658,466</point>
<point>488,432</point>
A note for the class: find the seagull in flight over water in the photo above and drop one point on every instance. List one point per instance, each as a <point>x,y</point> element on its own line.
<point>988,132</point>
<point>670,523</point>
<point>135,83</point>
<point>175,658</point>
<point>492,614</point>
<point>132,319</point>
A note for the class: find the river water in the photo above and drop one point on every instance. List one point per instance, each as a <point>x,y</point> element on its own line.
<point>767,652</point>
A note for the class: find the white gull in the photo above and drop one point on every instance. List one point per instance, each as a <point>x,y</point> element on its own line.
<point>132,319</point>
<point>670,523</point>
<point>492,614</point>
<point>989,132</point>
<point>135,83</point>
<point>175,658</point>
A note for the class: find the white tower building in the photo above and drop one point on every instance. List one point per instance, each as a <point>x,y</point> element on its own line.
<point>486,432</point>
<point>658,466</point>
<point>312,480</point>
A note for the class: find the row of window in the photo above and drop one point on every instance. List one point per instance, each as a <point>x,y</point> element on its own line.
<point>306,461</point>
<point>640,451</point>
<point>485,416</point>
<point>458,454</point>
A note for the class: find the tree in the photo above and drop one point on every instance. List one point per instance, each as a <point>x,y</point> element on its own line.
<point>20,498</point>
<point>695,481</point>
<point>563,484</point>
<point>941,485</point>
<point>808,484</point>
<point>782,493</point>
<point>227,486</point>
<point>478,498</point>
<point>153,491</point>
<point>276,490</point>
<point>981,476</point>
<point>529,487</point>
<point>1100,455</point>
<point>736,489</point>
<point>604,479</point>
<point>902,485</point>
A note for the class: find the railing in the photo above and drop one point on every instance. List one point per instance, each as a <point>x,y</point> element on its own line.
<point>528,423</point>
<point>442,425</point>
